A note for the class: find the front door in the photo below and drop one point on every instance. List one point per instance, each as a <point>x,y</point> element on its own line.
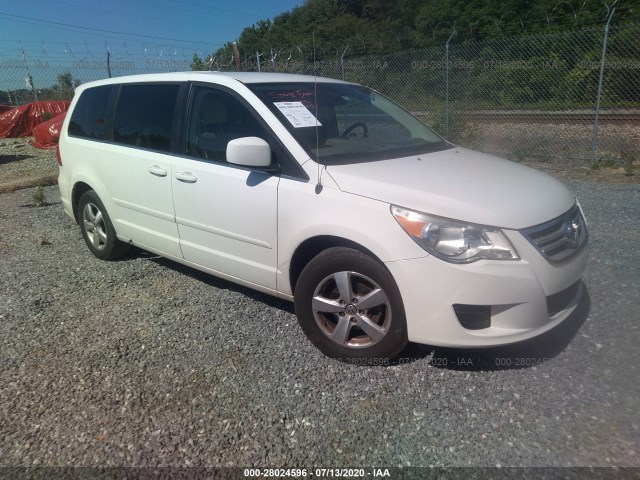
<point>226,215</point>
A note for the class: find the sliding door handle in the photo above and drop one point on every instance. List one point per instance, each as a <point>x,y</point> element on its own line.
<point>157,171</point>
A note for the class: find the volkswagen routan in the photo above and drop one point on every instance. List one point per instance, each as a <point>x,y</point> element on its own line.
<point>327,194</point>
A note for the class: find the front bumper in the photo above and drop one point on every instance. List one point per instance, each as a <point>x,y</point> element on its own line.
<point>526,297</point>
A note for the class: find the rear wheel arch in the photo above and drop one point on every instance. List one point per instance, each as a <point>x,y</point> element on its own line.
<point>78,190</point>
<point>97,228</point>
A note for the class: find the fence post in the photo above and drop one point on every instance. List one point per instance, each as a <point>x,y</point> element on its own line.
<point>446,84</point>
<point>594,139</point>
<point>342,63</point>
<point>29,78</point>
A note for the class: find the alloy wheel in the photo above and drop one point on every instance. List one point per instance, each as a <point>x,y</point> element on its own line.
<point>94,226</point>
<point>351,309</point>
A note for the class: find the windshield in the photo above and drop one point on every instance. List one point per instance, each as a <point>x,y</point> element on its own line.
<point>354,123</point>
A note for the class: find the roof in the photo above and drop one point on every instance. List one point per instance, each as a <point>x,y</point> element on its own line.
<point>269,77</point>
<point>222,77</point>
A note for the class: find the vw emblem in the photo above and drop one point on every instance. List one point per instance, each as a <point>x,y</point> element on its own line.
<point>351,309</point>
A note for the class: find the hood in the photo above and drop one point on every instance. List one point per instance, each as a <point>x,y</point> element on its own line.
<point>460,184</point>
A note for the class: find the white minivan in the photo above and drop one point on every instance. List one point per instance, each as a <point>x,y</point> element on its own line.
<point>327,194</point>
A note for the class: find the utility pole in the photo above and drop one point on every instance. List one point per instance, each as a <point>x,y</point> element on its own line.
<point>236,56</point>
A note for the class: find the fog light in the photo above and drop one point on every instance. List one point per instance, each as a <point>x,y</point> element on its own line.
<point>473,317</point>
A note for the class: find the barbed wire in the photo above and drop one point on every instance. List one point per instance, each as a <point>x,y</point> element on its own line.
<point>60,51</point>
<point>407,39</point>
<point>136,56</point>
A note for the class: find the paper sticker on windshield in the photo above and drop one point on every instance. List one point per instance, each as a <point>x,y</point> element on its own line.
<point>297,114</point>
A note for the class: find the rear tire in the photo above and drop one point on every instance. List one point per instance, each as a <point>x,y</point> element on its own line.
<point>97,229</point>
<point>349,306</point>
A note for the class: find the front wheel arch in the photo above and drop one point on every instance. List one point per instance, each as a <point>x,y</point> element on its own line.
<point>312,247</point>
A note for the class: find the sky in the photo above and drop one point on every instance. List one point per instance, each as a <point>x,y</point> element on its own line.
<point>56,33</point>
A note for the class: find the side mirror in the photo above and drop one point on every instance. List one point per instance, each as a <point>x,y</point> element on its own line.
<point>249,152</point>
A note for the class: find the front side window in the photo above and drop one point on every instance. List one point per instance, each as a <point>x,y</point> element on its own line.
<point>89,114</point>
<point>215,118</point>
<point>144,116</point>
<point>344,123</point>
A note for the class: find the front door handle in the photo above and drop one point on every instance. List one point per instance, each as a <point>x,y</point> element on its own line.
<point>186,177</point>
<point>157,171</point>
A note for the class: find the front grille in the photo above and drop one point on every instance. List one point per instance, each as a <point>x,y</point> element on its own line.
<point>561,238</point>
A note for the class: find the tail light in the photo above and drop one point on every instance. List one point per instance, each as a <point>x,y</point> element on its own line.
<point>58,155</point>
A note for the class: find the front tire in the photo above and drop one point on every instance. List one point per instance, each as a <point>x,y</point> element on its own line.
<point>350,307</point>
<point>97,229</point>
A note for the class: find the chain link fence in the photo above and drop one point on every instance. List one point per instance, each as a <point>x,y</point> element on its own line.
<point>571,97</point>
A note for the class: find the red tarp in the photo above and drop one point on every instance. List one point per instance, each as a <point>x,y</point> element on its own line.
<point>4,108</point>
<point>20,121</point>
<point>47,134</point>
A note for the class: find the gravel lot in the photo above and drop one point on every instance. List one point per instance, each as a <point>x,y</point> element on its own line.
<point>22,165</point>
<point>142,362</point>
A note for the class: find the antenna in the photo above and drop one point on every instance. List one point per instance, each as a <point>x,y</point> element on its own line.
<point>315,96</point>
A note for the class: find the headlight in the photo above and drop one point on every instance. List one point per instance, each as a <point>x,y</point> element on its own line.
<point>582,212</point>
<point>455,241</point>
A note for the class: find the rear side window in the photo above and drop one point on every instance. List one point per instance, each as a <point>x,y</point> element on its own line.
<point>89,115</point>
<point>144,116</point>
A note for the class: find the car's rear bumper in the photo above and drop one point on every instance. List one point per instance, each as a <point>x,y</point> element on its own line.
<point>65,193</point>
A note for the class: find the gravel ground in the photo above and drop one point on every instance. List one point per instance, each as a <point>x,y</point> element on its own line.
<point>559,142</point>
<point>142,362</point>
<point>22,165</point>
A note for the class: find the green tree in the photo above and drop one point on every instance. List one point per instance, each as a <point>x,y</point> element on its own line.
<point>197,63</point>
<point>380,26</point>
<point>63,89</point>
